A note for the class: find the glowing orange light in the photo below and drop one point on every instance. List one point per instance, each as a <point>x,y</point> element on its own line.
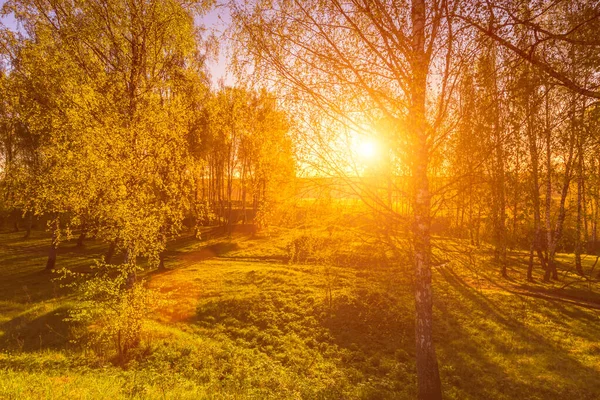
<point>367,150</point>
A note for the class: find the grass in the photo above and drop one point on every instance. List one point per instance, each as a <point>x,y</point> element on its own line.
<point>244,323</point>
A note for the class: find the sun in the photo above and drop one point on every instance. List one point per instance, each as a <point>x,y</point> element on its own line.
<point>367,149</point>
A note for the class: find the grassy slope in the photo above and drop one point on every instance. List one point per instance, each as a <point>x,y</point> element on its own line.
<point>246,325</point>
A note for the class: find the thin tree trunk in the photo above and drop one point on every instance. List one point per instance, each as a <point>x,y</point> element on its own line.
<point>530,265</point>
<point>471,221</point>
<point>580,209</point>
<point>111,251</point>
<point>499,190</point>
<point>596,205</point>
<point>549,239</point>
<point>517,189</point>
<point>584,206</point>
<point>51,263</point>
<point>578,243</point>
<point>560,220</point>
<point>29,225</point>
<point>161,261</point>
<point>428,378</point>
<point>81,237</point>
<point>229,202</point>
<point>501,217</point>
<point>536,241</point>
<point>243,191</point>
<point>130,263</point>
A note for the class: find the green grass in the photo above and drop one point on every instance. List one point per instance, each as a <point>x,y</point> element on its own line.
<point>243,323</point>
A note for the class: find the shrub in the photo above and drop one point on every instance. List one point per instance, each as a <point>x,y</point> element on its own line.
<point>336,251</point>
<point>310,248</point>
<point>113,306</point>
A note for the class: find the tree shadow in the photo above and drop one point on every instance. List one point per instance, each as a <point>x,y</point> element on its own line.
<point>365,327</point>
<point>176,258</point>
<point>499,335</point>
<point>370,321</point>
<point>29,333</point>
<point>23,262</point>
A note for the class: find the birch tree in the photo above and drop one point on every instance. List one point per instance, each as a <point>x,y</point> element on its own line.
<point>363,60</point>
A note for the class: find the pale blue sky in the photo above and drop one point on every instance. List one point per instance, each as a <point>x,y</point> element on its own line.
<point>216,22</point>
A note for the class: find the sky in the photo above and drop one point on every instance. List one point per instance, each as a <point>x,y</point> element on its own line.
<point>214,22</point>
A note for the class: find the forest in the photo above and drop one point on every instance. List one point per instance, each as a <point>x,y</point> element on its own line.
<point>376,199</point>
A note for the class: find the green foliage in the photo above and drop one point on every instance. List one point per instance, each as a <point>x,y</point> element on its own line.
<point>205,215</point>
<point>106,125</point>
<point>343,250</point>
<point>114,307</point>
<point>310,247</point>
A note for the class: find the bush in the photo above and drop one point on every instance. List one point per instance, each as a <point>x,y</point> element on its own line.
<point>336,251</point>
<point>113,306</point>
<point>364,255</point>
<point>310,248</point>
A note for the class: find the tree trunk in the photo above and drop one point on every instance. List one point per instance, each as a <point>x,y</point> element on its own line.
<point>130,263</point>
<point>428,378</point>
<point>578,266</point>
<point>560,220</point>
<point>536,241</point>
<point>499,190</point>
<point>111,251</point>
<point>81,239</point>
<point>51,263</point>
<point>29,225</point>
<point>580,210</point>
<point>549,238</point>
<point>501,217</point>
<point>530,265</point>
<point>427,367</point>
<point>229,205</point>
<point>517,190</point>
<point>595,203</point>
<point>562,212</point>
<point>161,261</point>
<point>244,212</point>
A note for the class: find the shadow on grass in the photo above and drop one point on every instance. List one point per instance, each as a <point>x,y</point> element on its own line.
<point>37,332</point>
<point>175,257</point>
<point>371,321</point>
<point>23,261</point>
<point>479,349</point>
<point>363,327</point>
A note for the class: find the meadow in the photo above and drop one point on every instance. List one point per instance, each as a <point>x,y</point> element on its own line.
<point>243,321</point>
